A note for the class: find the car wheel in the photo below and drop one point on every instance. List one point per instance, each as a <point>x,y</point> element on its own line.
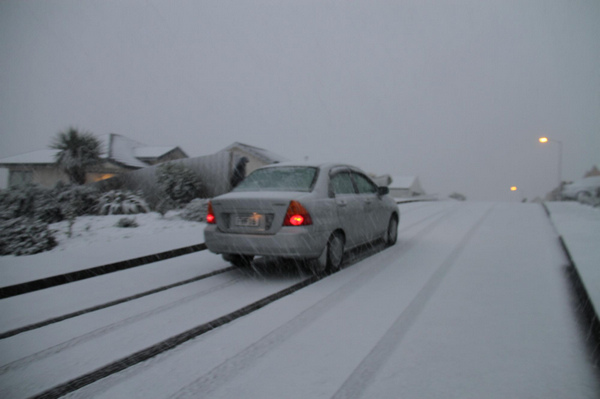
<point>335,251</point>
<point>331,257</point>
<point>583,196</point>
<point>392,231</point>
<point>239,260</point>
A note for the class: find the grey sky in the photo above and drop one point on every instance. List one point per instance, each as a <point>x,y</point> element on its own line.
<point>456,92</point>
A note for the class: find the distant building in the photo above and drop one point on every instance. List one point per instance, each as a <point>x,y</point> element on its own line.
<point>592,172</point>
<point>401,186</point>
<point>119,154</point>
<point>257,157</point>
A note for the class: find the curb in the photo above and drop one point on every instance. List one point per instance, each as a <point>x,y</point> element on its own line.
<point>588,309</point>
<point>60,279</point>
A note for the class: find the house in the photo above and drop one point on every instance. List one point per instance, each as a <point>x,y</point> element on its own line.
<point>401,186</point>
<point>214,171</point>
<point>592,172</point>
<point>405,186</point>
<point>119,154</point>
<point>257,157</point>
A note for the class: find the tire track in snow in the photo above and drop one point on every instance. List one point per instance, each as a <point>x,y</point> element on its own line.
<point>364,374</point>
<point>227,370</point>
<point>53,320</point>
<point>60,279</point>
<point>23,362</point>
<point>170,343</point>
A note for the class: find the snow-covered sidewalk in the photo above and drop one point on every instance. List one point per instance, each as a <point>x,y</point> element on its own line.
<point>579,226</point>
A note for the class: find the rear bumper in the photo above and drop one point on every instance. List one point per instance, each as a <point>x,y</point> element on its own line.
<point>289,242</point>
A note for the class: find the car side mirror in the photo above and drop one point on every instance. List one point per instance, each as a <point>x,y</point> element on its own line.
<point>383,190</point>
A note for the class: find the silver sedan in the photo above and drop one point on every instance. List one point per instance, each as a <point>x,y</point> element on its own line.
<point>303,211</point>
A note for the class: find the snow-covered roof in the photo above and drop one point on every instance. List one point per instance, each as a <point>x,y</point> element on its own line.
<point>403,181</point>
<point>121,150</point>
<point>40,157</point>
<point>116,148</point>
<point>152,152</point>
<point>261,153</point>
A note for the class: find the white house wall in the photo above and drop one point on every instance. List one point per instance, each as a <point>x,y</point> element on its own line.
<point>213,170</point>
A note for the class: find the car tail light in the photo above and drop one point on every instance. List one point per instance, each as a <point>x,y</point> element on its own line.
<point>210,215</point>
<point>297,215</point>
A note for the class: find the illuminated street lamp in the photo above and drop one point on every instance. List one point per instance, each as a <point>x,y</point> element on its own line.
<point>515,189</point>
<point>545,140</point>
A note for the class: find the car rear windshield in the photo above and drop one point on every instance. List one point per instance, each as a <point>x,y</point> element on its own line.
<point>284,178</point>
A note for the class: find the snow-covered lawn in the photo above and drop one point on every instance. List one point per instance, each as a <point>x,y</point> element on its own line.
<point>96,241</point>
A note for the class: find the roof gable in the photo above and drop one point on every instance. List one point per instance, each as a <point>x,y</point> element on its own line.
<point>261,153</point>
<point>403,181</point>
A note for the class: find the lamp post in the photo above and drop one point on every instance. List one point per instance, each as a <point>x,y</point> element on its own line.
<point>545,140</point>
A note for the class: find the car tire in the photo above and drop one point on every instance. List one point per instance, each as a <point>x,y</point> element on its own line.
<point>584,196</point>
<point>240,261</point>
<point>391,235</point>
<point>331,258</point>
<point>335,251</point>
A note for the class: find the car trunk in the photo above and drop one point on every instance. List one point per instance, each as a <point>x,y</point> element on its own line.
<point>252,212</point>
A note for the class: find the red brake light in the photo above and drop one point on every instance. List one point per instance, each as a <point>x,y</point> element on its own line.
<point>210,215</point>
<point>297,215</point>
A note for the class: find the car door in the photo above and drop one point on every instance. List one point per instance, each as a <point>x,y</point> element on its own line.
<point>372,221</point>
<point>348,206</point>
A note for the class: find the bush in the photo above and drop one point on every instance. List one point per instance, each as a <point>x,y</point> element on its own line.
<point>179,183</point>
<point>18,201</point>
<point>196,210</point>
<point>25,236</point>
<point>127,222</point>
<point>48,205</point>
<point>77,200</point>
<point>121,203</point>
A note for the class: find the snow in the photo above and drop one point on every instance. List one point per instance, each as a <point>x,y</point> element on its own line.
<point>46,156</point>
<point>96,241</point>
<point>472,302</point>
<point>579,226</point>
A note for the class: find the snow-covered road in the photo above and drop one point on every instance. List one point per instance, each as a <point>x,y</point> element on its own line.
<point>473,301</point>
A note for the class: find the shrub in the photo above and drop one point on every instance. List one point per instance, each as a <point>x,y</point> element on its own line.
<point>179,183</point>
<point>121,203</point>
<point>196,210</point>
<point>77,200</point>
<point>127,222</point>
<point>18,201</point>
<point>48,205</point>
<point>25,236</point>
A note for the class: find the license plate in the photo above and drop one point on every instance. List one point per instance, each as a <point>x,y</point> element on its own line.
<point>248,220</point>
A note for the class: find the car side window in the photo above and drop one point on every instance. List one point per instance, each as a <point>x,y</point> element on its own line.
<point>365,186</point>
<point>341,183</point>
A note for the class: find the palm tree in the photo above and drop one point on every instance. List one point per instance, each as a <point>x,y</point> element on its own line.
<point>78,151</point>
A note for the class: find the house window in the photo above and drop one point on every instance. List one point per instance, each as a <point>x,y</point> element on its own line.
<point>20,178</point>
<point>98,177</point>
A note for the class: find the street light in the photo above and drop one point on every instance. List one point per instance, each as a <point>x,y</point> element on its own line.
<point>545,140</point>
<point>515,189</point>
